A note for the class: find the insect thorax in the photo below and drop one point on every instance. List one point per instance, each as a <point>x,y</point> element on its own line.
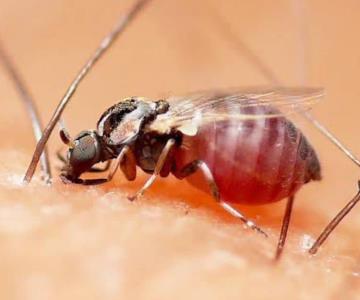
<point>127,123</point>
<point>124,121</point>
<point>149,145</point>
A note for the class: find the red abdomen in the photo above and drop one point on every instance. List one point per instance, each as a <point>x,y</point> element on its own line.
<point>253,161</point>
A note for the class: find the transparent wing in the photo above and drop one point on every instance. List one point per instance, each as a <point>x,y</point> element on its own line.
<point>242,104</point>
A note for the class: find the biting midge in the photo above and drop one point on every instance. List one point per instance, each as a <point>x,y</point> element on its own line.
<point>239,140</point>
<point>247,150</point>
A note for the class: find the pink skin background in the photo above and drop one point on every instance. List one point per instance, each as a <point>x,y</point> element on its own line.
<point>73,242</point>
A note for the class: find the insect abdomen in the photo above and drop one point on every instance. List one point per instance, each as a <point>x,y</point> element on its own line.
<point>253,161</point>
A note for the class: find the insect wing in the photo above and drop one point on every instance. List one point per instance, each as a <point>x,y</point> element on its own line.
<point>188,112</point>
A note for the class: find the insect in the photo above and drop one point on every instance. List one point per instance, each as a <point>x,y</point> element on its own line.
<point>239,140</point>
<point>201,132</point>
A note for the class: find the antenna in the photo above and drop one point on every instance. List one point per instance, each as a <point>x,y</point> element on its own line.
<point>105,44</point>
<point>30,106</point>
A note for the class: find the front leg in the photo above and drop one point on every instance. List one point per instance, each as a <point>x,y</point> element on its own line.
<point>163,158</point>
<point>125,152</point>
<point>94,181</point>
<point>100,169</point>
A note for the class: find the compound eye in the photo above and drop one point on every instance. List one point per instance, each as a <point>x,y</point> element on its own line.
<point>85,151</point>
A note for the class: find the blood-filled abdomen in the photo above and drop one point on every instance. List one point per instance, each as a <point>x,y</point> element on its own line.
<point>255,161</point>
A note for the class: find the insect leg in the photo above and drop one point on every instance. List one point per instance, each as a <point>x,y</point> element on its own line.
<point>195,165</point>
<point>128,165</point>
<point>285,227</point>
<point>105,44</point>
<point>29,102</point>
<point>118,161</point>
<point>94,181</point>
<point>201,165</point>
<point>237,214</point>
<point>159,165</point>
<point>100,170</point>
<point>334,222</point>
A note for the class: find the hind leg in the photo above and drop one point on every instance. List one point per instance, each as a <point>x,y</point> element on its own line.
<point>335,222</point>
<point>202,166</point>
<point>285,227</point>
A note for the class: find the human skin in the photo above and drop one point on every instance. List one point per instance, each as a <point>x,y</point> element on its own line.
<point>75,242</point>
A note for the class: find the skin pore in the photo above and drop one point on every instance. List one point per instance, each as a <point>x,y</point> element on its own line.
<point>91,242</point>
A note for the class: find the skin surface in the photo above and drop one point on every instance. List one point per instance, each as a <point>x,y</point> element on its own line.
<point>74,242</point>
